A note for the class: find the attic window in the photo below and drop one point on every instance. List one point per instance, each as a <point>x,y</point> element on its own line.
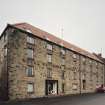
<point>74,56</point>
<point>90,61</point>
<point>30,40</point>
<point>63,51</point>
<point>84,59</point>
<point>49,46</point>
<point>96,64</point>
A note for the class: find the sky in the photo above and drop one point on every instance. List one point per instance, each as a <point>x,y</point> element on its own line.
<point>82,21</point>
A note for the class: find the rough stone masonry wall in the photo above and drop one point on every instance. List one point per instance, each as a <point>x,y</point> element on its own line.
<point>16,64</point>
<point>74,67</point>
<point>3,68</point>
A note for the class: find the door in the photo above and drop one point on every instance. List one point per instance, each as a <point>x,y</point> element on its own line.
<point>51,87</point>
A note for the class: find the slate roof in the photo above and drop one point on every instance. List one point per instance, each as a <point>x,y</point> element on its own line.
<point>45,35</point>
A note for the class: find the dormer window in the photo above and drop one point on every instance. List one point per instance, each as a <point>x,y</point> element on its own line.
<point>30,40</point>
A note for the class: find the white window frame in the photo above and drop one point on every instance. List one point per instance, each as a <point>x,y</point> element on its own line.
<point>30,40</point>
<point>49,46</point>
<point>28,72</point>
<point>49,58</point>
<point>63,51</point>
<point>30,53</point>
<point>74,56</point>
<point>5,51</point>
<point>30,87</point>
<point>63,61</point>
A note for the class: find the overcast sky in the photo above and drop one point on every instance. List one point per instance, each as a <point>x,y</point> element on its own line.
<point>83,21</point>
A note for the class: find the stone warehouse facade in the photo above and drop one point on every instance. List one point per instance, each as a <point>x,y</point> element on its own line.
<point>34,63</point>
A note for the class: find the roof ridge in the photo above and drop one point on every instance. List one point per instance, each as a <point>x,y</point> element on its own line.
<point>19,23</point>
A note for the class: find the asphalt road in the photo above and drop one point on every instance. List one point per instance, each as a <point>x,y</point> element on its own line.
<point>86,99</point>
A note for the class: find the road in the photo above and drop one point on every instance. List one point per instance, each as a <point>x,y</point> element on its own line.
<point>86,99</point>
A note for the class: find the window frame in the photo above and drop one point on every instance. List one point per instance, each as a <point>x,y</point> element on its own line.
<point>63,51</point>
<point>30,74</point>
<point>62,61</point>
<point>32,84</point>
<point>49,58</point>
<point>49,46</point>
<point>30,40</point>
<point>32,53</point>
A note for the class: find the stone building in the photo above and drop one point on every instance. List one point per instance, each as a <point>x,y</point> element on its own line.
<point>34,63</point>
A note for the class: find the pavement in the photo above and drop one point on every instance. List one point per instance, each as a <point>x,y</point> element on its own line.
<point>84,99</point>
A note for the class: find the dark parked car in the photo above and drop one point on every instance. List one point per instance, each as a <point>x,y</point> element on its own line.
<point>100,89</point>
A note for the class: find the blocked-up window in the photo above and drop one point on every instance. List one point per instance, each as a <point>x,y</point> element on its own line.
<point>30,53</point>
<point>29,71</point>
<point>30,87</point>
<point>30,40</point>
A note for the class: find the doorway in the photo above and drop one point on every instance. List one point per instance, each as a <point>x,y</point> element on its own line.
<point>51,87</point>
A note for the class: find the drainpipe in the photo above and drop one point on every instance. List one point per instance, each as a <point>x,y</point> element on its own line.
<point>80,73</point>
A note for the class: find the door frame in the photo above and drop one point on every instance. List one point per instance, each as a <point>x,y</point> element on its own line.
<point>46,85</point>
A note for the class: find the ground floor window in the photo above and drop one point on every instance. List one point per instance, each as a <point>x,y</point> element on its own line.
<point>84,84</point>
<point>30,87</point>
<point>63,86</point>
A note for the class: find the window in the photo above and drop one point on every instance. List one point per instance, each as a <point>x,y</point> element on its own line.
<point>30,62</point>
<point>30,53</point>
<point>74,86</point>
<point>29,71</point>
<point>74,56</point>
<point>5,51</point>
<point>30,87</point>
<point>83,59</point>
<point>63,52</point>
<point>84,84</point>
<point>63,61</point>
<point>5,37</point>
<point>63,86</point>
<point>49,58</point>
<point>49,73</point>
<point>49,46</point>
<point>74,75</point>
<point>63,75</point>
<point>90,62</point>
<point>63,67</point>
<point>30,40</point>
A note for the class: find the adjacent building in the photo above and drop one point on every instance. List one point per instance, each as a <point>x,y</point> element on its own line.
<point>34,63</point>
